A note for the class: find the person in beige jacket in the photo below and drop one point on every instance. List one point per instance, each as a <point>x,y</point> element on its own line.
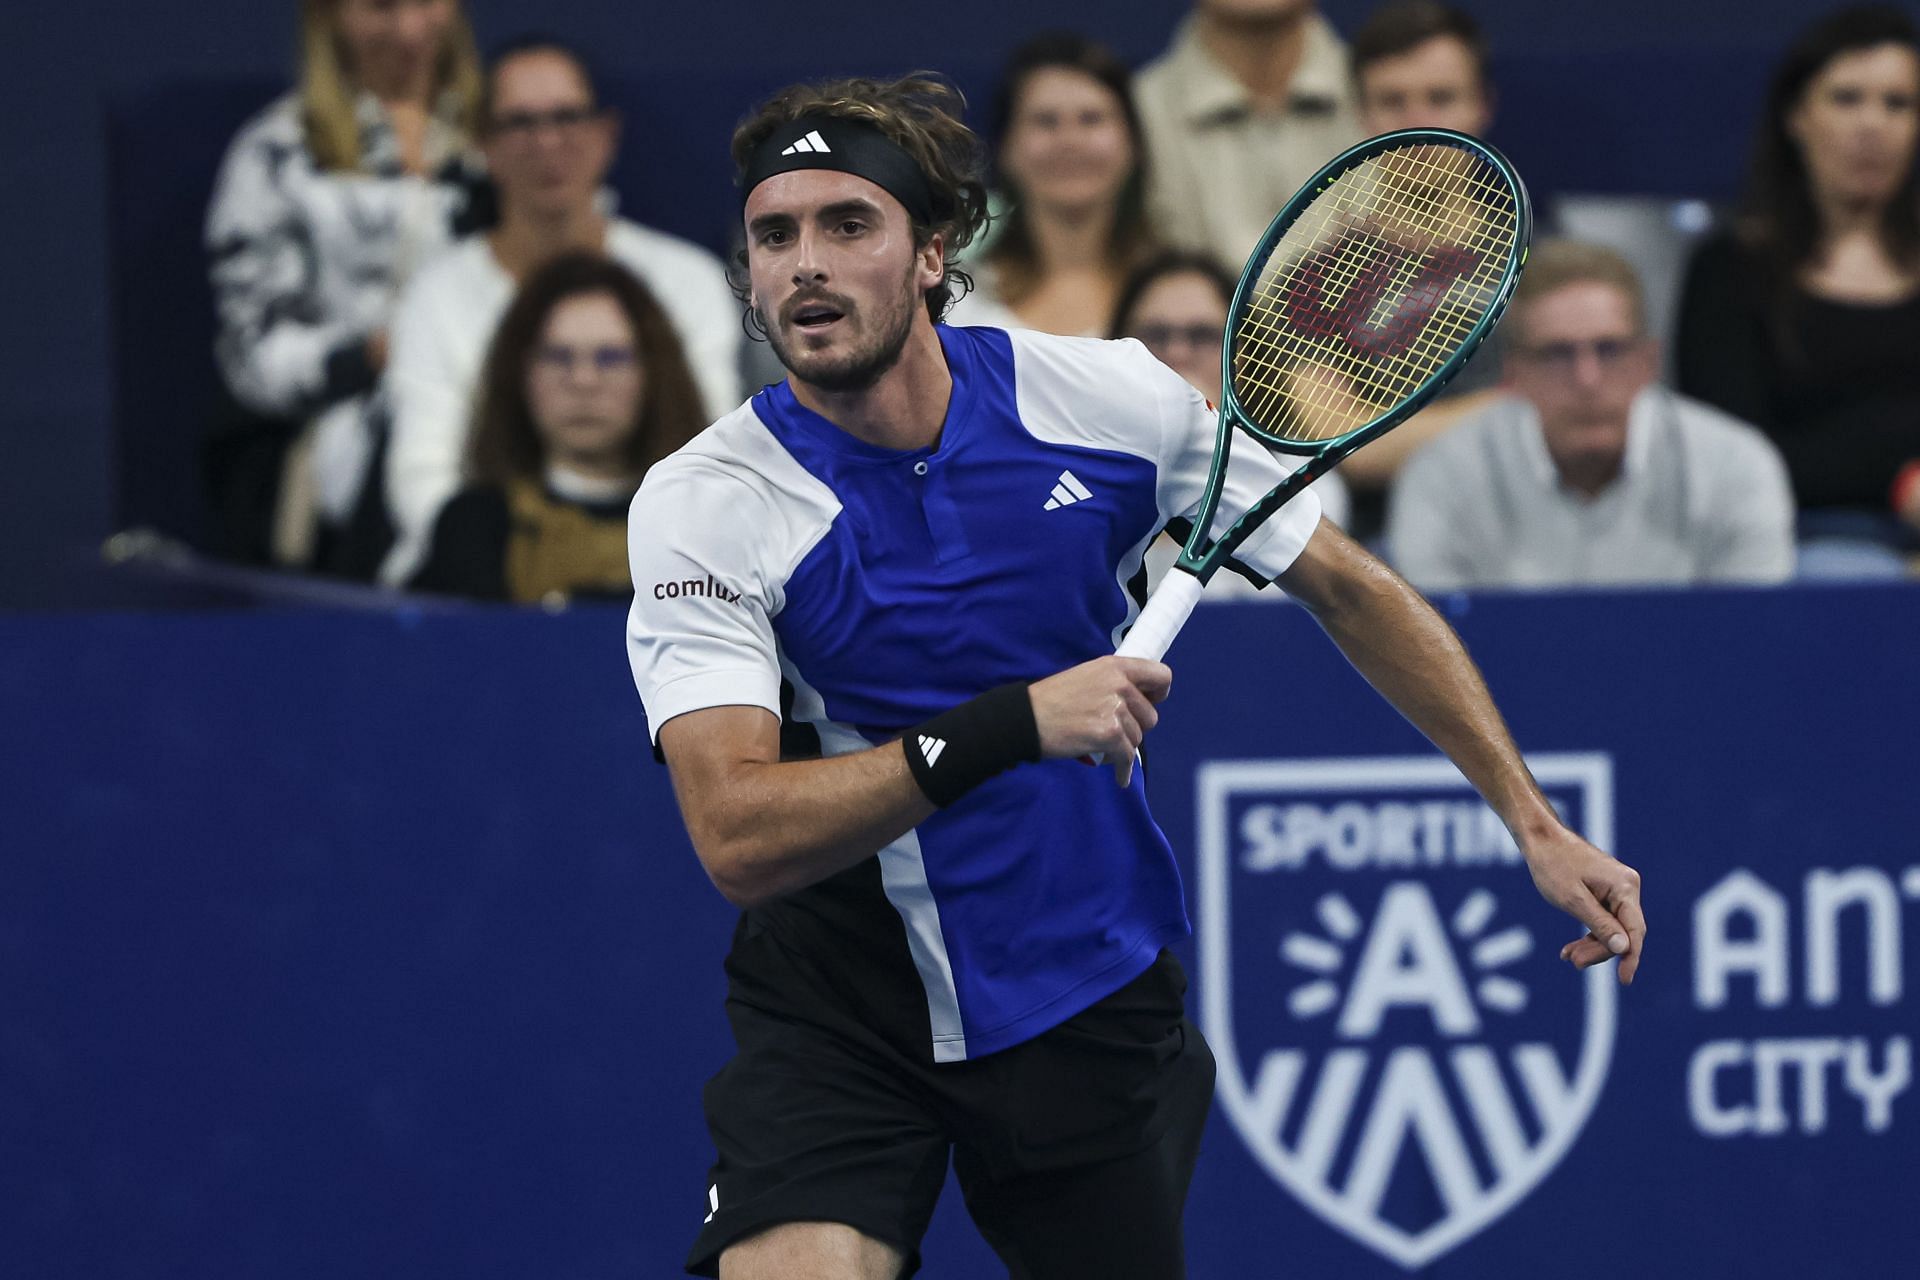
<point>1250,100</point>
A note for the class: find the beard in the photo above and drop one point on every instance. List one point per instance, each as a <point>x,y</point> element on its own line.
<point>870,352</point>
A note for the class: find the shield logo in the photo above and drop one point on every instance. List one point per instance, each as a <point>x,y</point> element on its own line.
<point>1400,1046</point>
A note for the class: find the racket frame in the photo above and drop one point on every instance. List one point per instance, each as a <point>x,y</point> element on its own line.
<point>1202,556</point>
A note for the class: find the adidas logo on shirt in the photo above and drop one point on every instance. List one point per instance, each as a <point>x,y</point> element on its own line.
<point>930,749</point>
<point>812,142</point>
<point>1067,490</point>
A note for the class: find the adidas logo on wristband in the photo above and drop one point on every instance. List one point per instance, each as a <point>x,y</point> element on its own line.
<point>981,737</point>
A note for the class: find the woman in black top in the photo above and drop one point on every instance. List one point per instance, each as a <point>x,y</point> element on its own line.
<point>585,387</point>
<point>1804,318</point>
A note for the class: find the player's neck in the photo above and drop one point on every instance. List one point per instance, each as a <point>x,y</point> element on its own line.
<point>904,410</point>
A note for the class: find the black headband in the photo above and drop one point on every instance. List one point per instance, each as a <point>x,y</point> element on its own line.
<point>851,146</point>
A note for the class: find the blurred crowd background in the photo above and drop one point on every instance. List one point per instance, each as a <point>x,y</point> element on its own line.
<point>417,315</point>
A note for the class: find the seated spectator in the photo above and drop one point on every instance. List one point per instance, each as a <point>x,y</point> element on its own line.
<point>549,144</point>
<point>1804,317</point>
<point>1418,64</point>
<point>1176,305</point>
<point>326,202</point>
<point>1250,101</point>
<point>584,388</point>
<point>1068,149</point>
<point>1589,474</point>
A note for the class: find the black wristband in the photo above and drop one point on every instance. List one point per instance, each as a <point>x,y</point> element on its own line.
<point>958,750</point>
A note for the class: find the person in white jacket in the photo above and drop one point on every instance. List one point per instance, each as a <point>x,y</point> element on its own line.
<point>549,144</point>
<point>327,202</point>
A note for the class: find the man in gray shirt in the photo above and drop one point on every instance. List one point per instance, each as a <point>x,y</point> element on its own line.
<point>1587,473</point>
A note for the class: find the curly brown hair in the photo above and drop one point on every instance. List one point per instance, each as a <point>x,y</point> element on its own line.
<point>506,444</point>
<point>920,113</point>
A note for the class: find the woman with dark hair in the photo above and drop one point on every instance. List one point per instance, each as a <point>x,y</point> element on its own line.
<point>1071,162</point>
<point>1804,317</point>
<point>1176,304</point>
<point>584,388</point>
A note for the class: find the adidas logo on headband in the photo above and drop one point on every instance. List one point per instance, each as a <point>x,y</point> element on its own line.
<point>812,142</point>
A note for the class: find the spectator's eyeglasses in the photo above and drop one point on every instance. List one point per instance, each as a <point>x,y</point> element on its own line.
<point>606,359</point>
<point>1564,357</point>
<point>520,125</point>
<point>1164,337</point>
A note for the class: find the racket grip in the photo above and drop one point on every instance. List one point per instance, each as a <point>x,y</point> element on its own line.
<point>1167,611</point>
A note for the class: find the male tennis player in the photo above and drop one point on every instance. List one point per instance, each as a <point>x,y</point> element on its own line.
<point>913,554</point>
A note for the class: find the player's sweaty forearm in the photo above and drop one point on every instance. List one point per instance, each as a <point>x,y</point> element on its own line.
<point>763,827</point>
<point>1406,651</point>
<point>1394,638</point>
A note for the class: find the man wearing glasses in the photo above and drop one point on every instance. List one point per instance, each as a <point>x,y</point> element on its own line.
<point>1587,473</point>
<point>549,144</point>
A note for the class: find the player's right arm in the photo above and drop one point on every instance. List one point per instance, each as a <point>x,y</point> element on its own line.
<point>764,827</point>
<point>711,552</point>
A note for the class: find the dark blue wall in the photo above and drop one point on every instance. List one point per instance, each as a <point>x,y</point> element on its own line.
<point>371,946</point>
<point>61,64</point>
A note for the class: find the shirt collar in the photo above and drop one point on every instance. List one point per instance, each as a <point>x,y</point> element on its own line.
<point>574,486</point>
<point>799,427</point>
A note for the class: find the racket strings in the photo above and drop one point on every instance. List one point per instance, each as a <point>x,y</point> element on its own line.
<point>1372,290</point>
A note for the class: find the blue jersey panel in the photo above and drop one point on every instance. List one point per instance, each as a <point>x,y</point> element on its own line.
<point>993,557</point>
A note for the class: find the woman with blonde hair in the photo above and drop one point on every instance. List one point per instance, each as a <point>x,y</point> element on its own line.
<point>325,203</point>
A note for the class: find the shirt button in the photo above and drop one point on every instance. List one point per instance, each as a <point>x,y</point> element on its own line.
<point>920,468</point>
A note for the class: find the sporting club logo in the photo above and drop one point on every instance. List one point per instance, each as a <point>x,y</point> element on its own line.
<point>1399,1045</point>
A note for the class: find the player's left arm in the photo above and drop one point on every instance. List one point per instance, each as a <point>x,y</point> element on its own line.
<point>1407,651</point>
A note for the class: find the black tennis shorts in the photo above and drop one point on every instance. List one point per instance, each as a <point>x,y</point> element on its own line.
<point>1074,1150</point>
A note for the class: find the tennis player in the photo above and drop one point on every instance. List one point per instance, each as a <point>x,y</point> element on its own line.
<point>907,560</point>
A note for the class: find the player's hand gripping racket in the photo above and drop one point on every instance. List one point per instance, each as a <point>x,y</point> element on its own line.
<point>1370,289</point>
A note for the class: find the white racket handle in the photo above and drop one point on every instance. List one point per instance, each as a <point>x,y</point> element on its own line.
<point>1167,611</point>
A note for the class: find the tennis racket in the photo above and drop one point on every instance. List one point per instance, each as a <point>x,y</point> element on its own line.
<point>1370,289</point>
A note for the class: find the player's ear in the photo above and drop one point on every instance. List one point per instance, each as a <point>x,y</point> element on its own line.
<point>933,261</point>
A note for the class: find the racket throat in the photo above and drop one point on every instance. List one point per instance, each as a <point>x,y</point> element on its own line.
<point>1316,466</point>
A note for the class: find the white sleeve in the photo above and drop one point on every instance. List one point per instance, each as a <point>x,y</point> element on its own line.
<point>1116,395</point>
<point>1190,426</point>
<point>700,632</point>
<point>431,403</point>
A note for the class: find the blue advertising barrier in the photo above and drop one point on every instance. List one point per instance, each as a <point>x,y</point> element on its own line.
<point>349,945</point>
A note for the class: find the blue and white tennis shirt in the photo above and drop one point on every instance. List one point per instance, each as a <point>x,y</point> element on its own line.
<point>880,588</point>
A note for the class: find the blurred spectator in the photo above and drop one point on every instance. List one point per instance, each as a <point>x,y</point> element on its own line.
<point>584,388</point>
<point>326,202</point>
<point>1418,64</point>
<point>549,143</point>
<point>1176,305</point>
<point>1592,475</point>
<point>1069,152</point>
<point>1805,317</point>
<point>1252,98</point>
